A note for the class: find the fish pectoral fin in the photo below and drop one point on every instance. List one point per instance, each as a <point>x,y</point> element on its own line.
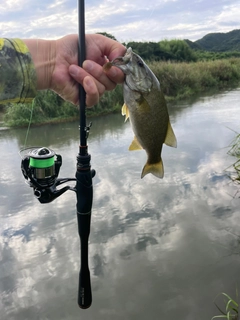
<point>143,105</point>
<point>135,145</point>
<point>170,139</point>
<point>156,169</point>
<point>125,111</point>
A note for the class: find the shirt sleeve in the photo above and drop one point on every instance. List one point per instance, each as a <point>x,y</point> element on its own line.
<point>18,81</point>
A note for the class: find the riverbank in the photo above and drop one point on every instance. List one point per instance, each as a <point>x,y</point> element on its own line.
<point>178,81</point>
<point>183,80</point>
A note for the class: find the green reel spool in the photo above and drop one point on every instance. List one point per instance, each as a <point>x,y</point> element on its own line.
<point>42,162</point>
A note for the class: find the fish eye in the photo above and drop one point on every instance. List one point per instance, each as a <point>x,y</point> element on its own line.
<point>140,63</point>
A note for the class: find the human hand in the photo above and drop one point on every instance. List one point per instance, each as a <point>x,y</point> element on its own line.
<point>67,75</point>
<point>56,64</point>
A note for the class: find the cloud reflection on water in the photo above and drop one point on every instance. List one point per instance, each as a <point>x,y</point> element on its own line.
<point>162,242</point>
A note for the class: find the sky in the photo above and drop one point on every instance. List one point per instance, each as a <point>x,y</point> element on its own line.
<point>132,20</point>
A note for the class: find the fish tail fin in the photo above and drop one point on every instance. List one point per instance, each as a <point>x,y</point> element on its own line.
<point>154,168</point>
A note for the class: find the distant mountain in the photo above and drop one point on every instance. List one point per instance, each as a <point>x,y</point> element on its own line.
<point>193,45</point>
<point>218,42</point>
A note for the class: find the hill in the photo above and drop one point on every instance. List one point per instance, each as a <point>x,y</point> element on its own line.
<point>218,42</point>
<point>193,45</point>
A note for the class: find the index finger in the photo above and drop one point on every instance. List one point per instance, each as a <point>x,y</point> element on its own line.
<point>104,47</point>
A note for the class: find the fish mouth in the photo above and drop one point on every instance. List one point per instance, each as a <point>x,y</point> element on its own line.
<point>122,61</point>
<point>119,61</point>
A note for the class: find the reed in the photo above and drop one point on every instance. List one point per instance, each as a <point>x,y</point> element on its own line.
<point>231,308</point>
<point>182,80</point>
<point>234,151</point>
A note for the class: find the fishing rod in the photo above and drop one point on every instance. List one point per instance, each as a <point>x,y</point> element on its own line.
<point>84,177</point>
<point>41,165</point>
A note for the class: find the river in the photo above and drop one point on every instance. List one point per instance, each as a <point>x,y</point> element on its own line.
<point>158,249</point>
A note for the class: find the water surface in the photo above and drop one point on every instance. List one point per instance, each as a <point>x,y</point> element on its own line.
<point>159,249</point>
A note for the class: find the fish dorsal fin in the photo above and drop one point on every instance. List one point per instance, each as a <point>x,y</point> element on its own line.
<point>125,111</point>
<point>135,145</point>
<point>170,139</point>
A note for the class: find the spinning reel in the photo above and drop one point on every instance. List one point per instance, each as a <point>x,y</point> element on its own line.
<point>40,167</point>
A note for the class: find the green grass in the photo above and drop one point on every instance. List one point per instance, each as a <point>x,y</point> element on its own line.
<point>234,151</point>
<point>183,80</point>
<point>231,308</point>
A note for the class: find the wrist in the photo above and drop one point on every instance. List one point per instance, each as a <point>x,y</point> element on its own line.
<point>43,53</point>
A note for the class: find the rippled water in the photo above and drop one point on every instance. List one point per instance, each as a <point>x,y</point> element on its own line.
<point>159,249</point>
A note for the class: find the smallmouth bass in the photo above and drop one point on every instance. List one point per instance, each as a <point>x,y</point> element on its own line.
<point>145,106</point>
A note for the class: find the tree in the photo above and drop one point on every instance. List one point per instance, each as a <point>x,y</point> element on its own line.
<point>107,35</point>
<point>179,50</point>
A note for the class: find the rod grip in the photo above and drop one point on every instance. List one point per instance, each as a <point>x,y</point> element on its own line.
<point>84,287</point>
<point>84,191</point>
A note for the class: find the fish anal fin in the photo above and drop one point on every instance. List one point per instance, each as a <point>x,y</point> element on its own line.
<point>125,111</point>
<point>170,139</point>
<point>156,169</point>
<point>135,145</point>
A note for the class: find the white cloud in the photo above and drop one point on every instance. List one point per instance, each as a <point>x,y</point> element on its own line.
<point>12,5</point>
<point>134,20</point>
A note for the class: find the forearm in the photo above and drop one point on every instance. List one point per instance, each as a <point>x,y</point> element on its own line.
<point>17,72</point>
<point>43,53</point>
<point>25,67</point>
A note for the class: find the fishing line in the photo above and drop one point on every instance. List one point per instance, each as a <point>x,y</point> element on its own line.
<point>31,115</point>
<point>29,124</point>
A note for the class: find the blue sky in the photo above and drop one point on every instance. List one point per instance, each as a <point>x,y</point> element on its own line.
<point>132,20</point>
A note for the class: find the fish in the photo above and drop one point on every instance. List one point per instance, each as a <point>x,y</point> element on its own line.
<point>145,106</point>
